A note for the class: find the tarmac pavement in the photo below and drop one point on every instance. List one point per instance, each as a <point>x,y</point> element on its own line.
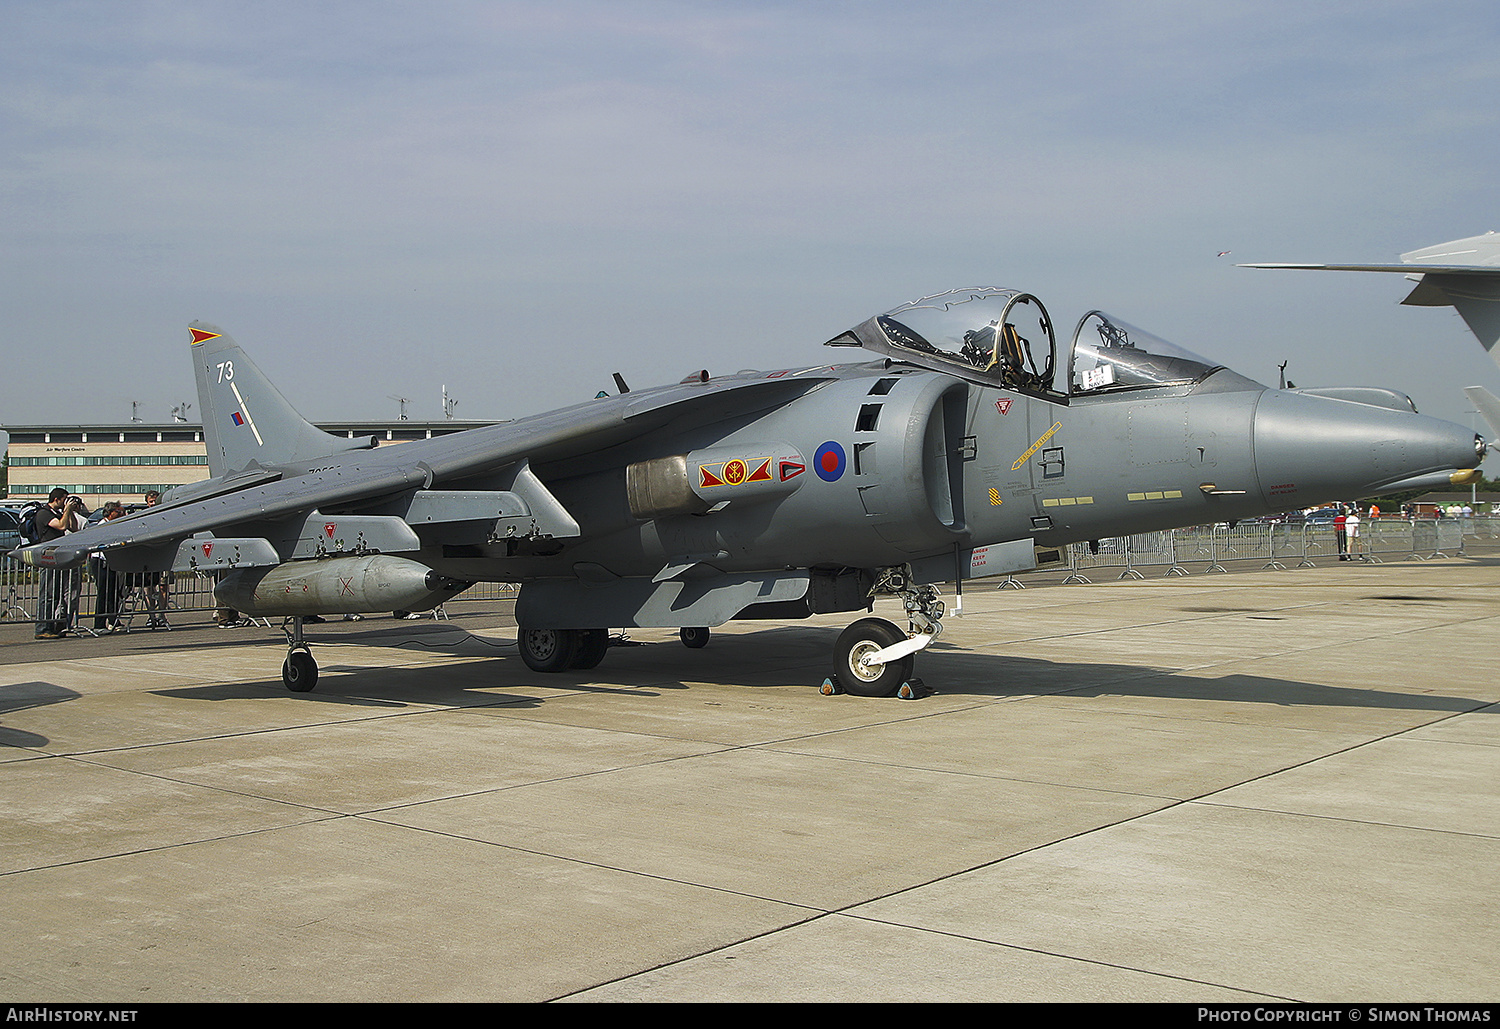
<point>1250,787</point>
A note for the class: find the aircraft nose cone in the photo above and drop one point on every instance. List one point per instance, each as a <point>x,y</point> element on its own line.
<point>1310,449</point>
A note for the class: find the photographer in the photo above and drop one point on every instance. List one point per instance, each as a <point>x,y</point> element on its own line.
<point>58,595</point>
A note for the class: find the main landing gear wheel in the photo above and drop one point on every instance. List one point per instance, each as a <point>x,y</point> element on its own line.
<point>694,637</point>
<point>548,650</point>
<point>592,643</point>
<point>299,672</point>
<point>866,636</point>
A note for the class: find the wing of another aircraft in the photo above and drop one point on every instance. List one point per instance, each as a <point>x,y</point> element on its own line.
<point>309,470</point>
<point>1464,274</point>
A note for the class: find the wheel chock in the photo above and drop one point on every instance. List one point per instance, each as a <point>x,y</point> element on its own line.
<point>914,689</point>
<point>830,686</point>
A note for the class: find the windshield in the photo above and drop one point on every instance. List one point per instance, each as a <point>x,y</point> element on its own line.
<point>1109,354</point>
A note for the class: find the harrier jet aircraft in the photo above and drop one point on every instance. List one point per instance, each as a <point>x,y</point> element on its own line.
<point>949,440</point>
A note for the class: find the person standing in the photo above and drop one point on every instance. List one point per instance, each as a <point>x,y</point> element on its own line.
<point>158,584</point>
<point>107,582</point>
<point>58,587</point>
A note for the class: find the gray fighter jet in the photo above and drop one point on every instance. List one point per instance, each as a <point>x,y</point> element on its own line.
<point>951,440</point>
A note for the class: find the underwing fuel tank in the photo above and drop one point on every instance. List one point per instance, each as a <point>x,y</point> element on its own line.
<point>341,585</point>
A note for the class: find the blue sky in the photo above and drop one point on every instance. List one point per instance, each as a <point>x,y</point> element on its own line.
<point>515,199</point>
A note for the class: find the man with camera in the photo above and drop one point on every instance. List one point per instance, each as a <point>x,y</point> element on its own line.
<point>58,596</point>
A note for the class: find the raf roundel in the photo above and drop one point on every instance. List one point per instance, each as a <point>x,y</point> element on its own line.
<point>829,462</point>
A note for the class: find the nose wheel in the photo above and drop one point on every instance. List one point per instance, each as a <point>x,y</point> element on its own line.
<point>858,671</point>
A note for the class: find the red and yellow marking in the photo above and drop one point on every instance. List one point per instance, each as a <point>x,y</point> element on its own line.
<point>737,471</point>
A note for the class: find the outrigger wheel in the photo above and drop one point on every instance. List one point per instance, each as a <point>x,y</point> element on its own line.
<point>694,637</point>
<point>299,672</point>
<point>864,637</point>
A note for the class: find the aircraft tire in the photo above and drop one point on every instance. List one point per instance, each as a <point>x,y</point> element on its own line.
<point>299,672</point>
<point>694,637</point>
<point>548,650</point>
<point>864,637</point>
<point>592,643</point>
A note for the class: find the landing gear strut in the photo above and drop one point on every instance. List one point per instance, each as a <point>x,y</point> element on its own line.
<point>299,672</point>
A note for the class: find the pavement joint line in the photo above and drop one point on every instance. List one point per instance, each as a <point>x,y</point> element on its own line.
<point>1066,957</point>
<point>267,730</point>
<point>764,934</point>
<point>164,847</point>
<point>848,909</point>
<point>1317,816</point>
<point>634,872</point>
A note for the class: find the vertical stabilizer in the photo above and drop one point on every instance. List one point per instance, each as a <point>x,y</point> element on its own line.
<point>1473,292</point>
<point>1487,404</point>
<point>246,420</point>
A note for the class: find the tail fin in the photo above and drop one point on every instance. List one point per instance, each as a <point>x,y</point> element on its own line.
<point>1473,287</point>
<point>1464,274</point>
<point>1487,404</point>
<point>246,421</point>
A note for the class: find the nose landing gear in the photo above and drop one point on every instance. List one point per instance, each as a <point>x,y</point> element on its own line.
<point>873,657</point>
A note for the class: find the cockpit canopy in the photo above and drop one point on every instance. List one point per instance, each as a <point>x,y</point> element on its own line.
<point>1001,337</point>
<point>1109,354</point>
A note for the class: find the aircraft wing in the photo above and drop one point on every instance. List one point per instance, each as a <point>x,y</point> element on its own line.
<point>1472,288</point>
<point>1405,268</point>
<point>352,478</point>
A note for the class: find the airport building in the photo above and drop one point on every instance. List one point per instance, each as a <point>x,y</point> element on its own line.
<point>121,462</point>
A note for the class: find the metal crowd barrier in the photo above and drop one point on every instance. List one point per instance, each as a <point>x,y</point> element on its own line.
<point>139,599</point>
<point>1276,545</point>
<point>136,600</point>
